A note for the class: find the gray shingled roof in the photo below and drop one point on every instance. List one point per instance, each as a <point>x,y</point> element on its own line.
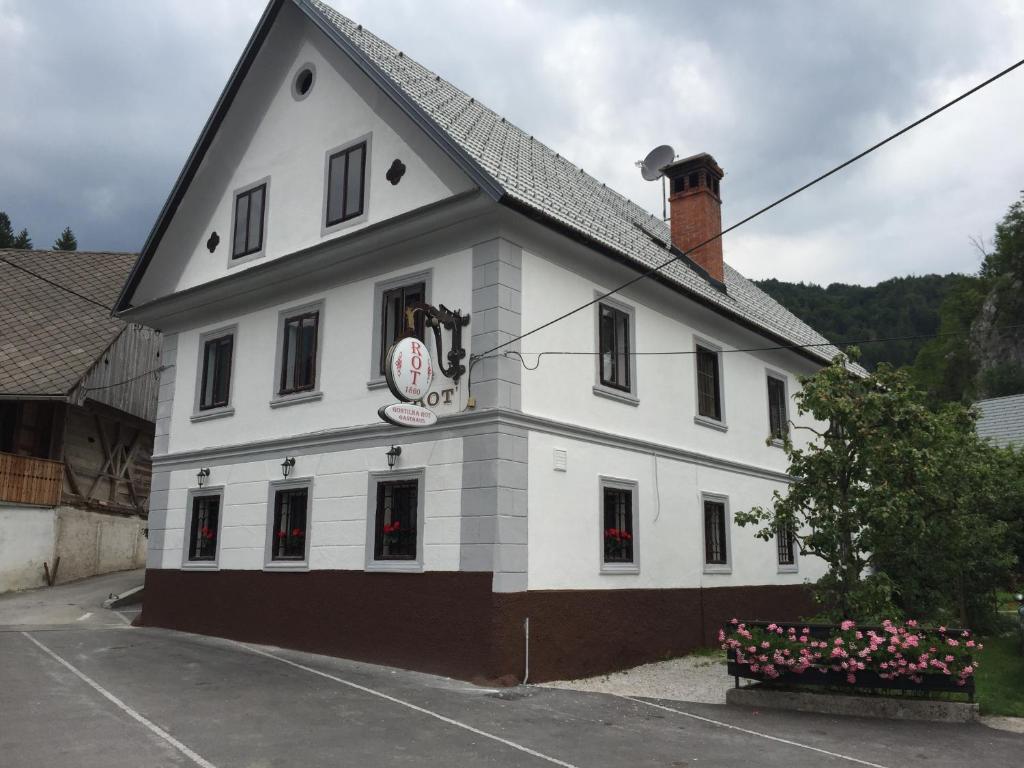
<point>1001,419</point>
<point>537,176</point>
<point>48,337</point>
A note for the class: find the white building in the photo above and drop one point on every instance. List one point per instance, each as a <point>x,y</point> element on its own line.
<point>338,179</point>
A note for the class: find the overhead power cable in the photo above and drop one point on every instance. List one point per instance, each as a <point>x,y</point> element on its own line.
<point>677,254</point>
<point>667,353</point>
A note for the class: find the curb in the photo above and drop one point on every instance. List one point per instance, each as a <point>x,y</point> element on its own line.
<point>884,707</point>
<point>128,597</point>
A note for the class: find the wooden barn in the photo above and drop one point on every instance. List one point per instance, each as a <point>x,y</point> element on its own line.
<point>78,398</point>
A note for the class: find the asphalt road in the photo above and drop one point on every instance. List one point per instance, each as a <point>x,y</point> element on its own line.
<point>96,692</point>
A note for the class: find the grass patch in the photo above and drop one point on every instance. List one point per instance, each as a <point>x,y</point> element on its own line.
<point>712,651</point>
<point>1000,678</point>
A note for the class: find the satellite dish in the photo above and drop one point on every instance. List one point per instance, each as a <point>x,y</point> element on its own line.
<point>657,158</point>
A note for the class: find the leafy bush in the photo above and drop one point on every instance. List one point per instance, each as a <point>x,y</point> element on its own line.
<point>899,650</point>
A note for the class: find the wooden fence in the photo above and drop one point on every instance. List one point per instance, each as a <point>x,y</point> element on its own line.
<point>26,480</point>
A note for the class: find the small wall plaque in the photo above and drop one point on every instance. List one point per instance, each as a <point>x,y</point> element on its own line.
<point>395,172</point>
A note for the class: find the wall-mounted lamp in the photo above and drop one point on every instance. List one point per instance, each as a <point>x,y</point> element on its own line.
<point>286,466</point>
<point>393,454</point>
<point>202,476</point>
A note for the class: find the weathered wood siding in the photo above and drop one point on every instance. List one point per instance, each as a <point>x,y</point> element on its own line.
<point>108,459</point>
<point>27,480</point>
<point>126,377</point>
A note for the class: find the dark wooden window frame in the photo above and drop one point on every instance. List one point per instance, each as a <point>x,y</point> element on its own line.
<point>249,249</point>
<point>709,376</point>
<point>305,386</point>
<point>618,379</point>
<point>218,374</point>
<point>334,189</point>
<point>715,517</point>
<point>281,549</point>
<point>785,544</point>
<point>208,534</point>
<point>618,513</point>
<point>405,537</point>
<point>419,287</point>
<point>778,410</point>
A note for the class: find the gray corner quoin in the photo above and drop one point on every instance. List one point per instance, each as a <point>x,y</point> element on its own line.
<point>494,463</point>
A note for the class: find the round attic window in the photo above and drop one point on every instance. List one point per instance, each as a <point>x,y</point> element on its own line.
<point>303,82</point>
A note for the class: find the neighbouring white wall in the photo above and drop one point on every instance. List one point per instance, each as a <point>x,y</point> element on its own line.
<point>268,133</point>
<point>345,363</point>
<point>562,387</point>
<point>565,522</point>
<point>88,544</point>
<point>26,542</point>
<point>338,526</point>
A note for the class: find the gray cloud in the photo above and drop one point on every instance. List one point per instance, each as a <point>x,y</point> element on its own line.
<point>103,101</point>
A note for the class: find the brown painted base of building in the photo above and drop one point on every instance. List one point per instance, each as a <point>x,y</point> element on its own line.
<point>451,623</point>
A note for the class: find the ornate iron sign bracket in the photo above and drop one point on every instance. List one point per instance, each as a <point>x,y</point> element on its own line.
<point>451,320</point>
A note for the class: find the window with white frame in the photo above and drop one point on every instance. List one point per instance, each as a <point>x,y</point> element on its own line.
<point>778,416</point>
<point>709,383</point>
<point>346,176</point>
<point>395,517</point>
<point>215,377</point>
<point>288,524</point>
<point>616,339</point>
<point>716,533</point>
<point>202,527</point>
<point>249,214</point>
<point>619,526</point>
<point>393,325</point>
<point>785,543</point>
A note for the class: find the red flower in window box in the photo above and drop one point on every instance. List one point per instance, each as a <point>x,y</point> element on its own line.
<point>281,534</point>
<point>298,532</point>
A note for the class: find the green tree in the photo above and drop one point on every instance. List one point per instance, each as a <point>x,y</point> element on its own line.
<point>1007,255</point>
<point>6,231</point>
<point>23,241</point>
<point>896,498</point>
<point>66,241</point>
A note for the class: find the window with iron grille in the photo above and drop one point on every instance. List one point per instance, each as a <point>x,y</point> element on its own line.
<point>709,384</point>
<point>215,387</point>
<point>778,418</point>
<point>395,526</point>
<point>289,527</point>
<point>786,544</point>
<point>249,213</point>
<point>204,528</point>
<point>716,544</point>
<point>615,351</point>
<point>618,530</point>
<point>346,172</point>
<point>298,353</point>
<point>394,302</point>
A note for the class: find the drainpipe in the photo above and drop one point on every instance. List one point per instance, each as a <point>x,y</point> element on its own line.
<point>526,631</point>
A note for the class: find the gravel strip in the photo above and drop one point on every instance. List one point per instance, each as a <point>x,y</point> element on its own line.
<point>690,678</point>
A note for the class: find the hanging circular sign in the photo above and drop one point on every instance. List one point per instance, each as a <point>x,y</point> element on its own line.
<point>409,370</point>
<point>407,415</point>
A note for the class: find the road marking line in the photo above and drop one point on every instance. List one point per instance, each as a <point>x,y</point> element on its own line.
<point>84,616</point>
<point>123,618</point>
<point>754,733</point>
<point>412,706</point>
<point>126,709</point>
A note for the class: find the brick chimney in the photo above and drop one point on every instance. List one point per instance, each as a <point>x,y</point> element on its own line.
<point>696,210</point>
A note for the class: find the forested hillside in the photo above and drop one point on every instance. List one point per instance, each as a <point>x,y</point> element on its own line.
<point>978,320</point>
<point>903,306</point>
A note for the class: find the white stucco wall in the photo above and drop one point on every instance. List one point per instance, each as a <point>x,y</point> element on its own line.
<point>565,522</point>
<point>268,133</point>
<point>88,543</point>
<point>562,387</point>
<point>26,542</point>
<point>338,526</point>
<point>347,358</point>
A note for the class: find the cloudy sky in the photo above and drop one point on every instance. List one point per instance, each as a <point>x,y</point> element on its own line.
<point>101,101</point>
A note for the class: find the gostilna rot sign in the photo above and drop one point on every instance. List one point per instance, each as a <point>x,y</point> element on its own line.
<point>410,369</point>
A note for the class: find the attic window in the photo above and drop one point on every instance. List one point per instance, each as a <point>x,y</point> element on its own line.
<point>303,82</point>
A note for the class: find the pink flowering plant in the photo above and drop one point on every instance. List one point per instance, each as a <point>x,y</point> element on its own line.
<point>895,651</point>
